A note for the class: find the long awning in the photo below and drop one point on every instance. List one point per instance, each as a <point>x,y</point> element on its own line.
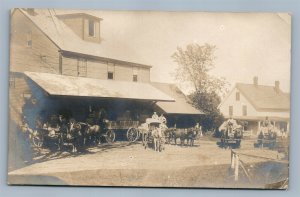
<point>62,85</point>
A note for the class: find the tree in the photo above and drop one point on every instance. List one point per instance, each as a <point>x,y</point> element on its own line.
<point>194,64</point>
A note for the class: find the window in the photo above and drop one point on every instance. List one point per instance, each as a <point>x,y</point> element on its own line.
<point>43,58</point>
<point>29,39</point>
<point>135,74</point>
<point>135,78</point>
<point>110,75</point>
<point>244,110</point>
<point>12,81</point>
<point>237,96</point>
<point>91,28</point>
<point>230,110</point>
<point>110,70</point>
<point>82,67</point>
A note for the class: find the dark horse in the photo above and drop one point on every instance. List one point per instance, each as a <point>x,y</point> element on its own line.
<point>71,135</point>
<point>189,134</point>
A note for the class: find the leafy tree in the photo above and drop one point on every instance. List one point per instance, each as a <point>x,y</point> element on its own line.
<point>194,63</point>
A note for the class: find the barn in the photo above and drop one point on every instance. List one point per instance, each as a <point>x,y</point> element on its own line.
<point>58,65</point>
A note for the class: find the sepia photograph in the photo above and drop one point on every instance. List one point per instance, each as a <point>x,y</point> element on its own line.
<point>149,99</point>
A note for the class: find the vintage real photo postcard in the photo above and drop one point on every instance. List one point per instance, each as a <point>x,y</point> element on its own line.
<point>149,99</point>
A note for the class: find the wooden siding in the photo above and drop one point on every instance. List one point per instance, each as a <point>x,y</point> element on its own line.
<point>69,66</point>
<point>16,99</point>
<point>144,75</point>
<point>42,56</point>
<point>98,69</point>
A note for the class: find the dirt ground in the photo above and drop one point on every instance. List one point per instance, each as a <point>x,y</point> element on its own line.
<point>124,164</point>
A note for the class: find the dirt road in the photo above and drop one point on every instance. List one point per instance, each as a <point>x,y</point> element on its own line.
<point>123,164</point>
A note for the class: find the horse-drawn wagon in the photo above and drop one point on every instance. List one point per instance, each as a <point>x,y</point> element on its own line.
<point>267,136</point>
<point>152,132</point>
<point>231,134</point>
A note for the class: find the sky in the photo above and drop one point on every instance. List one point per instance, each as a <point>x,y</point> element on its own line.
<point>248,44</point>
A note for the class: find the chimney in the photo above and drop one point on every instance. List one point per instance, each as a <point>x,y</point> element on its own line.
<point>277,89</point>
<point>255,80</point>
<point>31,11</point>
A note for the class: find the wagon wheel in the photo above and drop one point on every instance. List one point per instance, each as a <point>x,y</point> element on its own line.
<point>110,136</point>
<point>37,141</point>
<point>132,134</point>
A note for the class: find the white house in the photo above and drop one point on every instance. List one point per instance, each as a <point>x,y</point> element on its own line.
<point>253,103</point>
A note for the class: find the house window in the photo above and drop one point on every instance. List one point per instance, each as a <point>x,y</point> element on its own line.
<point>91,28</point>
<point>29,39</point>
<point>237,96</point>
<point>135,78</point>
<point>244,110</point>
<point>82,67</point>
<point>110,75</point>
<point>230,110</point>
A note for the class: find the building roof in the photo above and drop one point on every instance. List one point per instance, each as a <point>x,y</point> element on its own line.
<point>265,98</point>
<point>180,106</point>
<point>61,85</point>
<point>77,14</point>
<point>66,40</point>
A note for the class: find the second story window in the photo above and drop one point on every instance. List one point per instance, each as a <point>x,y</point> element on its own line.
<point>92,28</point>
<point>231,110</point>
<point>110,75</point>
<point>135,74</point>
<point>237,96</point>
<point>110,71</point>
<point>29,39</point>
<point>135,78</point>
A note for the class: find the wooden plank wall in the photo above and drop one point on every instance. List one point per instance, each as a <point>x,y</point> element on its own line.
<point>43,56</point>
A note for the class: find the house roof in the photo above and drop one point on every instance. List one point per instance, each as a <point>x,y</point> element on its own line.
<point>61,85</point>
<point>180,106</point>
<point>265,98</point>
<point>66,40</point>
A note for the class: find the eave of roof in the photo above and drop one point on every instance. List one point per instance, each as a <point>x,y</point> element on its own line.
<point>79,14</point>
<point>62,85</point>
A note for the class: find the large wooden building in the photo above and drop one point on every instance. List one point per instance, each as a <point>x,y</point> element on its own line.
<point>58,63</point>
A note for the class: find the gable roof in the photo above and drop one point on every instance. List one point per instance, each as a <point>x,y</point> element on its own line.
<point>66,40</point>
<point>180,106</point>
<point>265,98</point>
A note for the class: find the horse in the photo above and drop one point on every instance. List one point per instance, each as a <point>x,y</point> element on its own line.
<point>189,134</point>
<point>157,135</point>
<point>71,135</point>
<point>192,134</point>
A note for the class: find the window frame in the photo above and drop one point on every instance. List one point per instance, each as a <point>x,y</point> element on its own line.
<point>29,39</point>
<point>89,28</point>
<point>108,75</point>
<point>135,78</point>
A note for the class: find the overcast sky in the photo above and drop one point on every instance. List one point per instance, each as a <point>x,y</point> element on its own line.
<point>247,44</point>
